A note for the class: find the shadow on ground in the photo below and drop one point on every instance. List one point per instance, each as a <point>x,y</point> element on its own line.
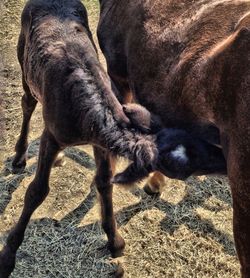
<point>69,247</point>
<point>10,182</point>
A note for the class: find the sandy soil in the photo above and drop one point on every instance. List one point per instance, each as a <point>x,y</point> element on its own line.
<point>187,232</point>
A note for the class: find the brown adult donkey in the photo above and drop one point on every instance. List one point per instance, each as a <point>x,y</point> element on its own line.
<point>189,63</point>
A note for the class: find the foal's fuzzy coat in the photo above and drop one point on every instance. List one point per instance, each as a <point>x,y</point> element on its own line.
<point>61,70</point>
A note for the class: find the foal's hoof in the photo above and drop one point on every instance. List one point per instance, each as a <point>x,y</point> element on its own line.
<point>116,249</point>
<point>122,180</point>
<point>150,192</point>
<point>7,263</point>
<point>60,161</point>
<point>18,168</point>
<point>119,272</point>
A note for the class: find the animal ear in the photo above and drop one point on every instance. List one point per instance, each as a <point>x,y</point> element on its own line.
<point>138,115</point>
<point>233,46</point>
<point>141,118</point>
<point>130,175</point>
<point>242,39</point>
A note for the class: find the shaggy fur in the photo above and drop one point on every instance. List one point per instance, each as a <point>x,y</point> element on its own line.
<point>61,70</point>
<point>182,154</point>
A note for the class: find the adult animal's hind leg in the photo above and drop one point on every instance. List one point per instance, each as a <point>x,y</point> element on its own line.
<point>239,177</point>
<point>104,165</point>
<point>35,195</point>
<point>28,107</point>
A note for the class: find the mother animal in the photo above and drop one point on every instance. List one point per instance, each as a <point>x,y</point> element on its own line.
<point>189,63</point>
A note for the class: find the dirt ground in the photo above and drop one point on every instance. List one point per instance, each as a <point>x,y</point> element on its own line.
<point>187,232</point>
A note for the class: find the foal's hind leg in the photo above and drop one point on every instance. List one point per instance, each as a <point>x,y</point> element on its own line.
<point>116,243</point>
<point>28,106</point>
<point>35,195</point>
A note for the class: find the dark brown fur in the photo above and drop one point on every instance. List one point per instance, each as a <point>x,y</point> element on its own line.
<point>61,69</point>
<point>189,63</point>
<point>182,154</point>
<point>142,119</point>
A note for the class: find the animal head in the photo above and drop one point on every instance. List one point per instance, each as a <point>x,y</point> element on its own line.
<point>180,156</point>
<point>139,116</point>
<point>179,153</point>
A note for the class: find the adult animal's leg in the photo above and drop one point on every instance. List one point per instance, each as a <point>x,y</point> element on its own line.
<point>104,166</point>
<point>238,160</point>
<point>35,195</point>
<point>121,87</point>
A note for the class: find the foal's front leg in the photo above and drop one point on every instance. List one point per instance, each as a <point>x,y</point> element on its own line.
<point>116,243</point>
<point>35,195</point>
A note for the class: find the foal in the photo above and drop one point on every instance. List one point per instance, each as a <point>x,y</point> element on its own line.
<point>60,68</point>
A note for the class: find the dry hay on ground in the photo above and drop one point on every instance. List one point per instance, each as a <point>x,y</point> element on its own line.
<point>185,233</point>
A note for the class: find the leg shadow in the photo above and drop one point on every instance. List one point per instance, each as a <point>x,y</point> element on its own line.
<point>182,213</point>
<point>10,182</point>
<point>60,249</point>
<point>80,157</point>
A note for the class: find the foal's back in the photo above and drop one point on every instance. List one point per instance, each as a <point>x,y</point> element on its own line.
<point>54,40</point>
<point>61,68</point>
